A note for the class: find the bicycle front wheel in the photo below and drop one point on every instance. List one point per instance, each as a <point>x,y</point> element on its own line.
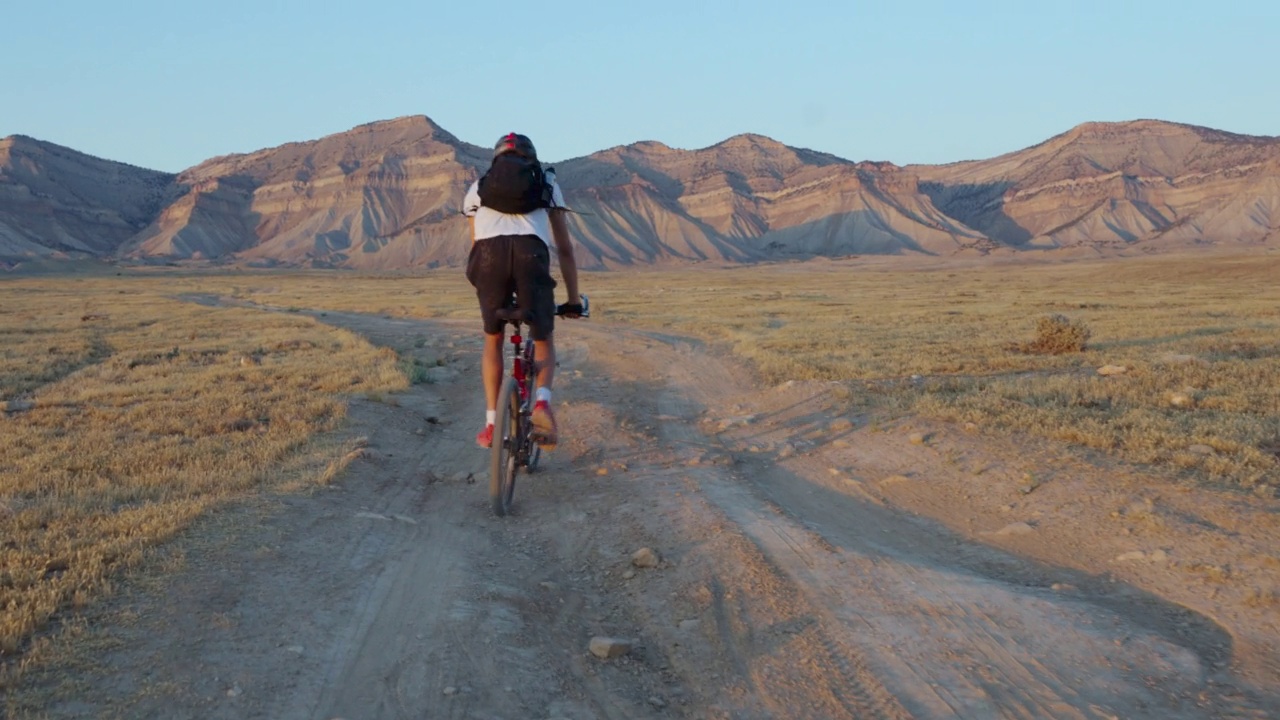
<point>505,448</point>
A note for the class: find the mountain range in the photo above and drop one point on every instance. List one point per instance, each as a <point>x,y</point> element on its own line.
<point>387,195</point>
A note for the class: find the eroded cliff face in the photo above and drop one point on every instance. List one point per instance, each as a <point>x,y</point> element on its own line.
<point>750,198</point>
<point>381,195</point>
<point>54,200</point>
<point>388,195</point>
<point>1107,185</point>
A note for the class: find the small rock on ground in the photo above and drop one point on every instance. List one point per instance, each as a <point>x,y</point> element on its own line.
<point>840,425</point>
<point>918,438</point>
<point>1201,449</point>
<point>607,648</point>
<point>1018,528</point>
<point>730,423</point>
<point>645,558</point>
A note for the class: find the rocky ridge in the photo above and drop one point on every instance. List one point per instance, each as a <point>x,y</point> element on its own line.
<point>387,194</point>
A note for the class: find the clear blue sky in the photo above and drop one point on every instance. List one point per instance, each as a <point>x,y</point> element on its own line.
<point>168,84</point>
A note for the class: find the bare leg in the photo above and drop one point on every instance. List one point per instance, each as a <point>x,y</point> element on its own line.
<point>544,354</point>
<point>544,424</point>
<point>491,369</point>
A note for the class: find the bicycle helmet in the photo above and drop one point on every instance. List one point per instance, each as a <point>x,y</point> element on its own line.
<point>515,143</point>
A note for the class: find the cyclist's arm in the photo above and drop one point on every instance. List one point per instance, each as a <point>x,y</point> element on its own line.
<point>564,251</point>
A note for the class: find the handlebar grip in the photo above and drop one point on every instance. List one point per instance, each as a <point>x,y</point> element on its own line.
<point>582,309</point>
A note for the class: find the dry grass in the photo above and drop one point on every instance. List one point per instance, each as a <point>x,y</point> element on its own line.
<point>1057,334</point>
<point>1203,328</point>
<point>149,411</point>
<point>138,413</point>
<point>1200,336</point>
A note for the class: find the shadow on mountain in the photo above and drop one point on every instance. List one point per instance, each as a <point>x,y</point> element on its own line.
<point>213,220</point>
<point>981,207</point>
<point>861,232</point>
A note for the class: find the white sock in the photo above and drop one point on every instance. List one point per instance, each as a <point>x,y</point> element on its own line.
<point>490,417</point>
<point>542,395</point>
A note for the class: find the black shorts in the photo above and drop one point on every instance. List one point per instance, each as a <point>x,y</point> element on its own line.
<point>520,264</point>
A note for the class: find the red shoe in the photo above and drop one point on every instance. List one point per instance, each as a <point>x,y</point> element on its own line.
<point>544,426</point>
<point>484,438</point>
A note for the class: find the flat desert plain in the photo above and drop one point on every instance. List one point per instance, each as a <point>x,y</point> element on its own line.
<point>867,489</point>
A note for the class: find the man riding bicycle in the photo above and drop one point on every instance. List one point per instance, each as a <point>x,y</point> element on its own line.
<point>517,211</point>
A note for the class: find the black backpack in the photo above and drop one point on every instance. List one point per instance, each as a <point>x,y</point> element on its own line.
<point>515,185</point>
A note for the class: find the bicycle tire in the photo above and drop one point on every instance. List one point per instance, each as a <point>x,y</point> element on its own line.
<point>505,448</point>
<point>535,454</point>
<point>534,450</point>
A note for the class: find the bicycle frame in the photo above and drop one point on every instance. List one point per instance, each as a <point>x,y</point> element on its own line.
<point>522,364</point>
<point>512,446</point>
<point>524,370</point>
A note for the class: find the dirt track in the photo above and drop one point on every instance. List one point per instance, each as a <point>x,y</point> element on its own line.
<point>808,571</point>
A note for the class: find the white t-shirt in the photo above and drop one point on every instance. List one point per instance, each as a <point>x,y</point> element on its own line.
<point>491,223</point>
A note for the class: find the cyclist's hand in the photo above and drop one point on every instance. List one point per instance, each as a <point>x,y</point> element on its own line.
<point>579,309</point>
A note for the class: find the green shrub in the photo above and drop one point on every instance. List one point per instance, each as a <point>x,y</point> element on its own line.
<point>414,371</point>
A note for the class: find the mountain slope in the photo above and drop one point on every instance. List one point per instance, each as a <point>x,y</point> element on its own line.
<point>387,195</point>
<point>1116,184</point>
<point>358,199</point>
<point>55,200</point>
<point>748,198</point>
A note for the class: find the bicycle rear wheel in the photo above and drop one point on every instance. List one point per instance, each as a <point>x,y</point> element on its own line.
<point>533,451</point>
<point>507,437</point>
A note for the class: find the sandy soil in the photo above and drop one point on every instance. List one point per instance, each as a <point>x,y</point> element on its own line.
<point>810,568</point>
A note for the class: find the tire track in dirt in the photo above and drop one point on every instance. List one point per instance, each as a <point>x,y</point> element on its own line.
<point>1013,653</point>
<point>778,597</point>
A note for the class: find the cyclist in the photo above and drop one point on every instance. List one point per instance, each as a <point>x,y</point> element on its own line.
<point>517,212</point>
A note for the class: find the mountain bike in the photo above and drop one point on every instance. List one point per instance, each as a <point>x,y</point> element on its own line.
<point>513,448</point>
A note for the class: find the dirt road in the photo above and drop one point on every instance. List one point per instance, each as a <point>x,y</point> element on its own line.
<point>811,568</point>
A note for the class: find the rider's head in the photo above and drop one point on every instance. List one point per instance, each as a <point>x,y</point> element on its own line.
<point>515,143</point>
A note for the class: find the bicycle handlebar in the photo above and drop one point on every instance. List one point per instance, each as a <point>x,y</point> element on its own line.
<point>516,314</point>
<point>582,310</point>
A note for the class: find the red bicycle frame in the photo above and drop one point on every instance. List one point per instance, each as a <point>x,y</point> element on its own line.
<point>518,365</point>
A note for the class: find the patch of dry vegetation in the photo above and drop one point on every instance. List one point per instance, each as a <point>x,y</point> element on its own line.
<point>1011,347</point>
<point>130,413</point>
<point>1057,334</point>
<point>145,411</point>
<point>1200,338</point>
